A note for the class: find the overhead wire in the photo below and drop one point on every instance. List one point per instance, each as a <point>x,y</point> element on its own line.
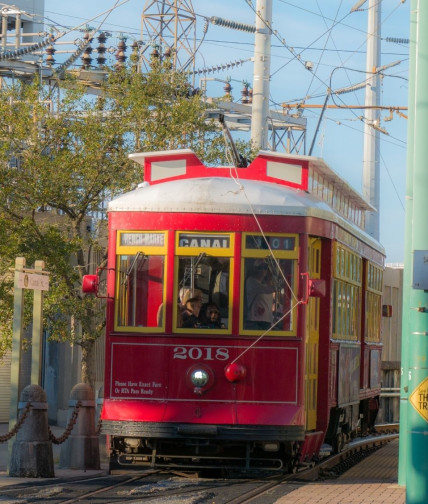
<point>329,31</point>
<point>360,118</point>
<point>233,173</point>
<point>298,56</point>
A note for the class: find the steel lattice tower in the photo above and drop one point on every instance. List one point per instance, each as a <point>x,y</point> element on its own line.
<point>168,27</point>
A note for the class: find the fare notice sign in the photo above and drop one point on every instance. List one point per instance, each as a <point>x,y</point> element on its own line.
<point>419,399</point>
<point>33,281</point>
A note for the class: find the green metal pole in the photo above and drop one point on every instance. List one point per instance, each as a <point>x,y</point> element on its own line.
<point>417,409</point>
<point>408,256</point>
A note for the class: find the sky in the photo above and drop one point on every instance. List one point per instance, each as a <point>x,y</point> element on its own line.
<point>322,34</point>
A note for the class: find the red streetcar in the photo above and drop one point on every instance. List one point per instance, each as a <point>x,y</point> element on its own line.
<point>243,315</point>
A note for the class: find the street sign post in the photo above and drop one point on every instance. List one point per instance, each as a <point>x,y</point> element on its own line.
<point>37,280</point>
<point>33,281</point>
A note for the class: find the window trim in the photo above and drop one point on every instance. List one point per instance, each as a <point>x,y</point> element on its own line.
<point>347,278</point>
<point>149,250</point>
<point>193,251</point>
<point>247,253</point>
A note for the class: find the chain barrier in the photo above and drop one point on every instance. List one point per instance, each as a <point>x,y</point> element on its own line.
<point>68,429</point>
<point>18,424</point>
<point>56,440</point>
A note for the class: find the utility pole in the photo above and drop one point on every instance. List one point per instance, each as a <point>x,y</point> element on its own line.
<point>371,165</point>
<point>408,256</point>
<point>417,312</point>
<point>261,75</point>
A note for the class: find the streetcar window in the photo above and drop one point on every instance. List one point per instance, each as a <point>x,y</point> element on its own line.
<point>140,287</point>
<point>268,294</point>
<point>203,292</point>
<point>346,294</point>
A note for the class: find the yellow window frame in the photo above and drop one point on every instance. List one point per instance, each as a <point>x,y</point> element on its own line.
<point>137,243</point>
<point>346,318</point>
<point>263,254</point>
<point>347,264</point>
<point>214,251</point>
<point>374,283</point>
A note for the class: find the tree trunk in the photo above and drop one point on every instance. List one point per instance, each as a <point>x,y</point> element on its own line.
<point>88,362</point>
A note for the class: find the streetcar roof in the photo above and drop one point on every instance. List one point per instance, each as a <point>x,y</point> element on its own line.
<point>218,195</point>
<point>228,196</point>
<point>307,173</point>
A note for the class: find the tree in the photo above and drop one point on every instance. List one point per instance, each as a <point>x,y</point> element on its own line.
<point>63,153</point>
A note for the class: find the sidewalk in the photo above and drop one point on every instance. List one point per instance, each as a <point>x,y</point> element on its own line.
<point>372,481</point>
<point>60,473</point>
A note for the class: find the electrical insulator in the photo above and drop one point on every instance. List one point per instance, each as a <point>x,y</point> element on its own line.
<point>121,53</point>
<point>86,56</point>
<point>244,93</point>
<point>101,49</point>
<point>218,67</point>
<point>50,60</point>
<point>234,25</point>
<point>397,40</point>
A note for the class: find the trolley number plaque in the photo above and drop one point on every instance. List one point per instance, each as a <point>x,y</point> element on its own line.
<point>204,353</point>
<point>257,242</point>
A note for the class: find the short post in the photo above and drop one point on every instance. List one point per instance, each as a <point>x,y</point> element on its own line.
<point>36,343</point>
<point>81,450</point>
<point>32,455</point>
<point>18,314</point>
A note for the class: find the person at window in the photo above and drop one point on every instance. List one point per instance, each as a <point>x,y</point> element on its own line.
<point>190,315</point>
<point>184,295</point>
<point>212,317</point>
<point>259,292</point>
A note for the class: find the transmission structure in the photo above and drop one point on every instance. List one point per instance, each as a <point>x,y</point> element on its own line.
<point>168,28</point>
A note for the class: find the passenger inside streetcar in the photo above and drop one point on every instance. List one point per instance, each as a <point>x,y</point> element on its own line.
<point>260,292</point>
<point>211,317</point>
<point>190,316</point>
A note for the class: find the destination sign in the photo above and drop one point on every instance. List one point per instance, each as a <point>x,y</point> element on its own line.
<point>203,241</point>
<point>257,242</point>
<point>142,239</point>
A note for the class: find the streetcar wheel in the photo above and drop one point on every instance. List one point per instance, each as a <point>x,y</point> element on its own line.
<point>338,443</point>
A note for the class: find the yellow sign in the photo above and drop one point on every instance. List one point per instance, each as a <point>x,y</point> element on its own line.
<point>419,399</point>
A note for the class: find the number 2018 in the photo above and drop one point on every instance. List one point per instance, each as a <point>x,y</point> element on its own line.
<point>205,353</point>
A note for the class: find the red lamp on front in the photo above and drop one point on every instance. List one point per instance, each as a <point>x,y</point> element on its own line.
<point>90,284</point>
<point>235,372</point>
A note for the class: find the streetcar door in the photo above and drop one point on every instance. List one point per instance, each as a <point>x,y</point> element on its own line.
<point>312,338</point>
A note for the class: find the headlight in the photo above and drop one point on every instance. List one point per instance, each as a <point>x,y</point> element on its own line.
<point>132,442</point>
<point>199,377</point>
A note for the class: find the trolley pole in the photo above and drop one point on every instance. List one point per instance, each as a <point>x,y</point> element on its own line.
<point>408,256</point>
<point>417,336</point>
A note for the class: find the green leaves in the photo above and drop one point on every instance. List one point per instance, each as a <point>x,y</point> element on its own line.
<point>63,155</point>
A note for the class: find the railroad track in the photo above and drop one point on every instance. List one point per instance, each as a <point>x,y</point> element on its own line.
<point>159,486</point>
